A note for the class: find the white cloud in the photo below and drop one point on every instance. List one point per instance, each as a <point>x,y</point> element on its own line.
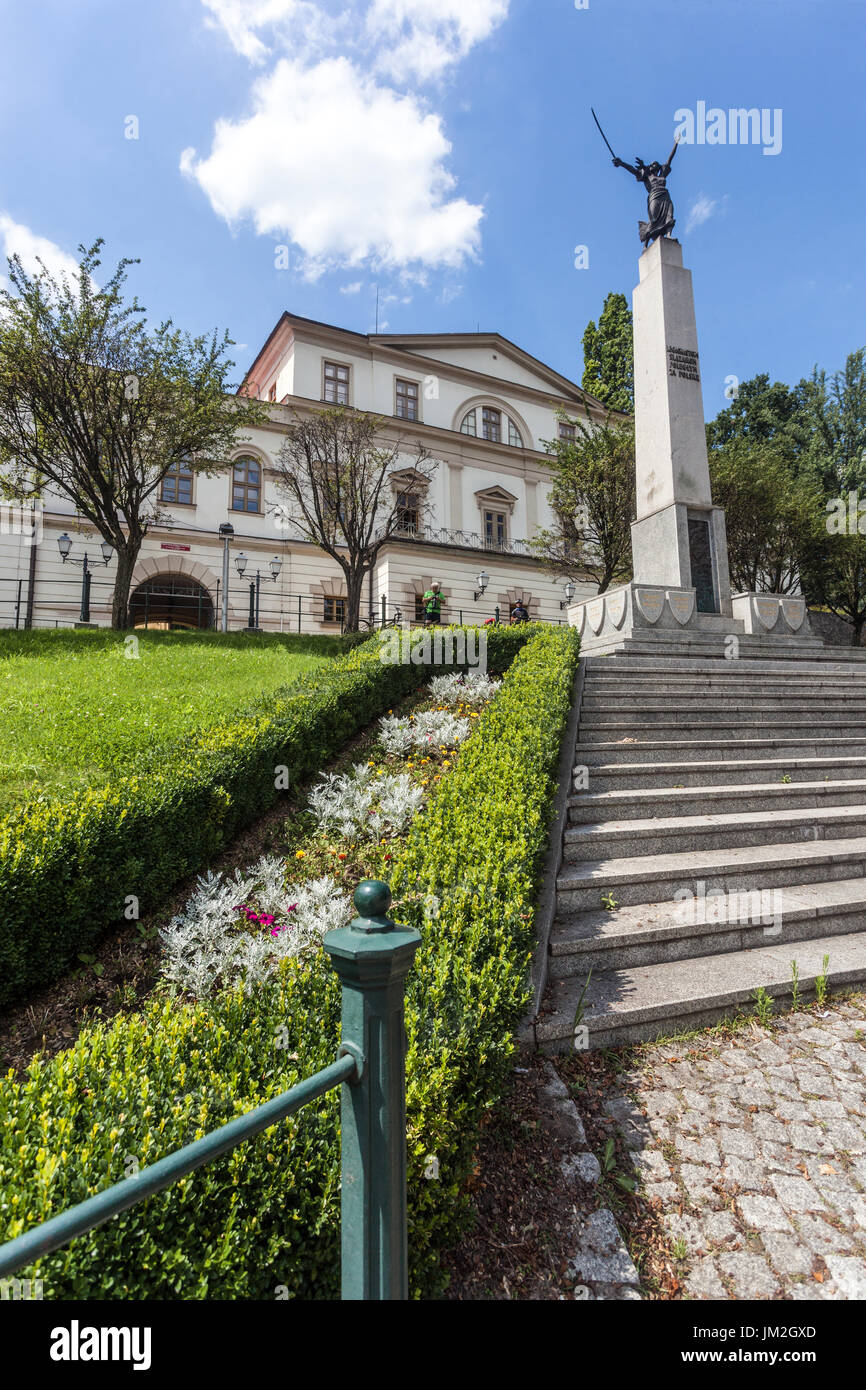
<point>354,288</point>
<point>349,170</point>
<point>421,38</point>
<point>18,240</point>
<point>292,25</point>
<point>702,209</point>
<point>401,38</point>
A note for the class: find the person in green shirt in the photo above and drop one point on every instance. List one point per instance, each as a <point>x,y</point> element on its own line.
<point>432,603</point>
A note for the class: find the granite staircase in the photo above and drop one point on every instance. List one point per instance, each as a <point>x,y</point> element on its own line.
<point>717,835</point>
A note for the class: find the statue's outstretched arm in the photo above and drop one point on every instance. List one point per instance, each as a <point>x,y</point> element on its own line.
<point>621,164</point>
<point>666,168</point>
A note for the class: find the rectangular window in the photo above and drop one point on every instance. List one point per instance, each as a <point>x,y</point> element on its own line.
<point>491,424</point>
<point>566,432</point>
<point>495,528</point>
<point>407,400</point>
<point>272,394</point>
<point>177,485</point>
<point>336,383</point>
<point>407,511</point>
<point>246,486</point>
<point>335,610</point>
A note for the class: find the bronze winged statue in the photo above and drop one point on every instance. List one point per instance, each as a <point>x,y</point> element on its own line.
<point>660,209</point>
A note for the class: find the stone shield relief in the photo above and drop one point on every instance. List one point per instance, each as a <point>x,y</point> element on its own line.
<point>650,603</point>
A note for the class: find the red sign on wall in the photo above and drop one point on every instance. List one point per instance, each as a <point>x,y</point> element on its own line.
<point>172,545</point>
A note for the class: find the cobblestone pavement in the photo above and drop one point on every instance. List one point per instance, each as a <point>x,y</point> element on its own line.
<point>754,1150</point>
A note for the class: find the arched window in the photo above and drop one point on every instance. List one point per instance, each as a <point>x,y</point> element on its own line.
<point>493,424</point>
<point>246,485</point>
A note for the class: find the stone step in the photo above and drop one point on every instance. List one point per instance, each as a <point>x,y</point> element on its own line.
<point>651,933</point>
<point>639,1003</point>
<point>845,659</point>
<point>691,645</point>
<point>650,878</point>
<point>620,709</point>
<point>724,830</point>
<point>745,728</point>
<point>731,749</point>
<point>748,771</point>
<point>690,801</point>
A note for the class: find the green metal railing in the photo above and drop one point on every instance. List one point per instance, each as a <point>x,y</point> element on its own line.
<point>372,957</point>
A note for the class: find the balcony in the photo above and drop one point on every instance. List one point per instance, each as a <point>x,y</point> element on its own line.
<point>469,540</point>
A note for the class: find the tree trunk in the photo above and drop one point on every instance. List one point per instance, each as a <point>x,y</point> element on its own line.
<point>126,556</point>
<point>354,592</point>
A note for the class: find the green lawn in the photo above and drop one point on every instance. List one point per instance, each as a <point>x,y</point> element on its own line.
<point>75,709</point>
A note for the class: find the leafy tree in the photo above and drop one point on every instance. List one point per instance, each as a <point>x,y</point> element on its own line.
<point>335,471</point>
<point>762,412</point>
<point>772,518</point>
<point>834,571</point>
<point>593,500</point>
<point>835,410</point>
<point>97,408</point>
<point>608,356</point>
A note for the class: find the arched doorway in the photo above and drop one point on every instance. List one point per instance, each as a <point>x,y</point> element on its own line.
<point>171,601</point>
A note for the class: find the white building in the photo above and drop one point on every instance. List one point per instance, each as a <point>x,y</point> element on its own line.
<point>483,408</point>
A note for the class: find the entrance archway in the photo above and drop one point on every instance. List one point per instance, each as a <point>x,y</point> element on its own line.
<point>171,601</point>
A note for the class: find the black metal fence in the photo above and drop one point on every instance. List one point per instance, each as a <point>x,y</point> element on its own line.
<point>181,603</point>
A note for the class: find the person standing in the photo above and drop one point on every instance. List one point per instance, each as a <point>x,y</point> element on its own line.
<point>520,613</point>
<point>432,603</point>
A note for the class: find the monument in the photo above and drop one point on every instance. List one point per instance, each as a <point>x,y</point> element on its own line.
<point>679,548</point>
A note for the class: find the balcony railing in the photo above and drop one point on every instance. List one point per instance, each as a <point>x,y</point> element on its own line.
<point>471,540</point>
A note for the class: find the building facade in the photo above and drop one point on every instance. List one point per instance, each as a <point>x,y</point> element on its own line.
<point>482,407</point>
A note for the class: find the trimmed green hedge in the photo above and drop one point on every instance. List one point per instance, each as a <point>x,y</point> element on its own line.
<point>68,867</point>
<point>267,1215</point>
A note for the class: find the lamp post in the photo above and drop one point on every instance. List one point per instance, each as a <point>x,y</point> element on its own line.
<point>64,545</point>
<point>275,566</point>
<point>483,581</point>
<point>226,532</point>
<point>569,595</point>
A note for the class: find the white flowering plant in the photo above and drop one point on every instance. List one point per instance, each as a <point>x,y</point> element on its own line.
<point>238,928</point>
<point>439,728</point>
<point>365,803</point>
<point>473,688</point>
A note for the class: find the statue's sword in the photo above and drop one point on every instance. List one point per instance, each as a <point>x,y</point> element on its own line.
<point>601,132</point>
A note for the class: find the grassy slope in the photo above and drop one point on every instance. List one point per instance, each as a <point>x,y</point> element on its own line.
<point>74,708</point>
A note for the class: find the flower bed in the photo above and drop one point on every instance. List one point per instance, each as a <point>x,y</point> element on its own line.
<point>267,1215</point>
<point>71,869</point>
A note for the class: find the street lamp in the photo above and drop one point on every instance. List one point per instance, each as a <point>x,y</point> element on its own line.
<point>226,532</point>
<point>64,545</point>
<point>569,594</point>
<point>275,566</point>
<point>483,581</point>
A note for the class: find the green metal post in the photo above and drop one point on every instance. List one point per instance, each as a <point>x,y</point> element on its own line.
<point>372,957</point>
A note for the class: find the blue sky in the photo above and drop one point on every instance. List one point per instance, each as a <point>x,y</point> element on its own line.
<point>444,150</point>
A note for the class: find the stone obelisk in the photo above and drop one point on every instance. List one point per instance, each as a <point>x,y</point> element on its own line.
<point>680,597</point>
<point>678,539</point>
